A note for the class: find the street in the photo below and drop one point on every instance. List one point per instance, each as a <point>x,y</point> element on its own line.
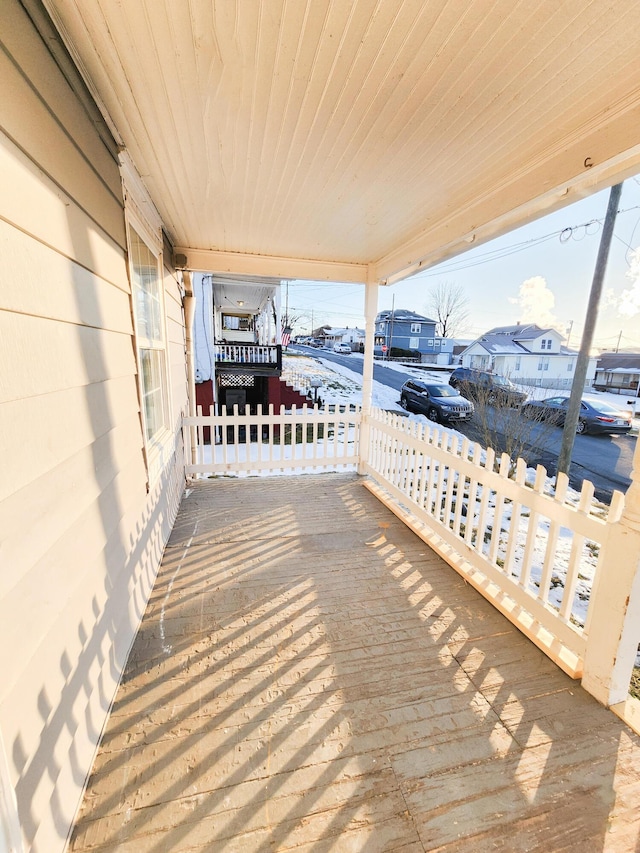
<point>605,460</point>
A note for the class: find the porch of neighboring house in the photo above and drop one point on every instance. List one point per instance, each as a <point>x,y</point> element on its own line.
<point>310,675</point>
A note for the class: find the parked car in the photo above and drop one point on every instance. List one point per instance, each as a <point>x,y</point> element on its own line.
<point>345,349</point>
<point>438,402</point>
<point>481,385</point>
<point>316,342</point>
<point>595,417</point>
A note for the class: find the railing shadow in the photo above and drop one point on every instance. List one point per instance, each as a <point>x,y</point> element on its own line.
<point>329,683</point>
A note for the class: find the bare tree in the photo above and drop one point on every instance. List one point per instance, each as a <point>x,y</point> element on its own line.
<point>448,303</point>
<point>507,427</point>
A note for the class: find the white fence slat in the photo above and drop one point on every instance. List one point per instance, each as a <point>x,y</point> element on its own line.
<point>472,497</point>
<point>514,524</point>
<point>451,480</point>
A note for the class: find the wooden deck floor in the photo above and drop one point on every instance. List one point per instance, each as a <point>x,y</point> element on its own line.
<point>309,676</point>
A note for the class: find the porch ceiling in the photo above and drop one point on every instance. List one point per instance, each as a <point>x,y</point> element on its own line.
<point>325,139</point>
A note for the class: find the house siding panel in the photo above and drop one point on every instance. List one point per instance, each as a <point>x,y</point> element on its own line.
<point>81,530</point>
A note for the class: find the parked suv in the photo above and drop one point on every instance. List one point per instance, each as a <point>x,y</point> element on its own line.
<point>344,348</point>
<point>489,387</point>
<point>438,402</point>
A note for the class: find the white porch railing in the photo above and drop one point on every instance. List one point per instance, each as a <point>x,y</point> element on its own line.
<point>536,555</point>
<point>291,440</point>
<point>247,354</point>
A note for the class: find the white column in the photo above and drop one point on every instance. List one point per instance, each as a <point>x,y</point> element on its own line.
<point>278,306</point>
<point>370,311</point>
<point>614,613</point>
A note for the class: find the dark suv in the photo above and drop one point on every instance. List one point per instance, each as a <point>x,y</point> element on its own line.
<point>438,402</point>
<point>489,387</point>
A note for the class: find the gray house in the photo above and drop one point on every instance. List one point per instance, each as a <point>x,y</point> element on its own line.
<point>618,372</point>
<point>407,331</point>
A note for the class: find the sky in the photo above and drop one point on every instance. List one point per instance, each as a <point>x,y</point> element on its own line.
<point>540,273</point>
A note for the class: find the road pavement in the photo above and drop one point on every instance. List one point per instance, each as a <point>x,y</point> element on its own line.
<point>606,460</point>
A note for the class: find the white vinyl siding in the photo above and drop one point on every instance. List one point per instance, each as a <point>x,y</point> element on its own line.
<point>82,532</point>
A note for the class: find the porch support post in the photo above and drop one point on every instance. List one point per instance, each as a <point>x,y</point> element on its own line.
<point>370,311</point>
<point>614,614</point>
<point>189,307</point>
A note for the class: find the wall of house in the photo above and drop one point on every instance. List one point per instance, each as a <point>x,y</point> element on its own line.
<point>81,529</point>
<point>525,368</point>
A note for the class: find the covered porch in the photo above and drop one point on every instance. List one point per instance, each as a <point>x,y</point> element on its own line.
<point>310,675</point>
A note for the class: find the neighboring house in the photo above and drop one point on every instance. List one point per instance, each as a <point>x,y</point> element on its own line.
<point>322,333</point>
<point>528,355</point>
<point>354,336</point>
<point>406,330</point>
<point>237,341</point>
<point>618,372</point>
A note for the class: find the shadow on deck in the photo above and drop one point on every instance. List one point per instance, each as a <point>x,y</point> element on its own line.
<point>310,676</point>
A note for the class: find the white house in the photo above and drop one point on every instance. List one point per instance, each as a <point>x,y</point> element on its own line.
<point>526,354</point>
<point>354,336</point>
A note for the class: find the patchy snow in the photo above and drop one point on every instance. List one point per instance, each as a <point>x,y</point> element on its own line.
<point>349,390</point>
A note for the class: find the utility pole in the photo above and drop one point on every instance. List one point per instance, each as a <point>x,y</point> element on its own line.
<point>619,339</point>
<point>569,334</point>
<point>393,311</point>
<point>575,398</point>
<point>286,309</point>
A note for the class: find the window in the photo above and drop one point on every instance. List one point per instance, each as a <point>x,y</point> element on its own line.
<point>570,366</point>
<point>430,342</point>
<point>416,328</point>
<point>517,366</point>
<point>148,309</point>
<point>543,343</point>
<point>414,343</point>
<point>236,323</point>
<point>543,364</point>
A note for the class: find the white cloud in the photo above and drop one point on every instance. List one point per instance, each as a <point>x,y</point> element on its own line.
<point>536,304</point>
<point>629,302</point>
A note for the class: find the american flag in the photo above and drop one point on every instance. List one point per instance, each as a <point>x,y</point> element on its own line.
<point>286,336</point>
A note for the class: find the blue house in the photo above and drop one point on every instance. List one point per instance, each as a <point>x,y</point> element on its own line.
<point>401,332</point>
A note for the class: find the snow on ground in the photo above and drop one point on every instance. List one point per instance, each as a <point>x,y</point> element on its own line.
<point>350,389</point>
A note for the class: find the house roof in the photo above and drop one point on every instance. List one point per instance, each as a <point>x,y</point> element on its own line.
<point>617,361</point>
<point>507,340</point>
<point>525,332</point>
<point>358,141</point>
<point>500,344</point>
<point>403,314</point>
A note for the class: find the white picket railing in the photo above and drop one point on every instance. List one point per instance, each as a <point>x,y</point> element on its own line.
<point>246,353</point>
<point>533,554</point>
<point>292,440</point>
